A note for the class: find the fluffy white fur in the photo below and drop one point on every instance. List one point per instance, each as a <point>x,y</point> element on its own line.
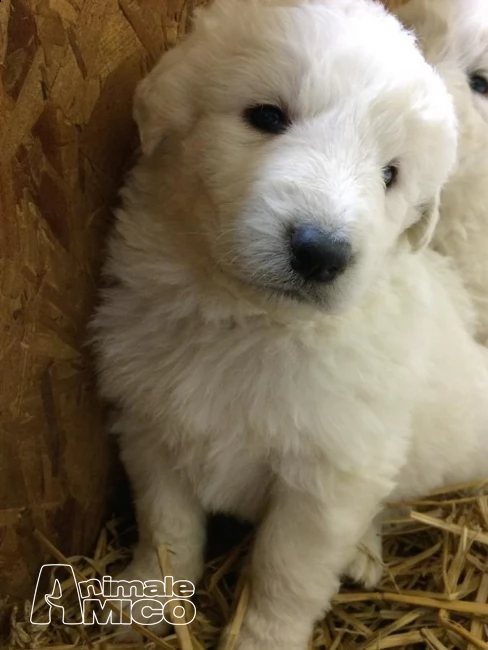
<point>454,37</point>
<point>242,389</point>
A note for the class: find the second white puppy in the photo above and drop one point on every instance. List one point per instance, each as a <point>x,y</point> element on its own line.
<point>454,37</point>
<point>278,342</point>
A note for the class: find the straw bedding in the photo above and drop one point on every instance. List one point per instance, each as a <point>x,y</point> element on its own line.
<point>434,593</point>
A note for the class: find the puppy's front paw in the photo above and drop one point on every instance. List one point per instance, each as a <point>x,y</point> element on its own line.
<point>367,565</point>
<point>365,568</point>
<point>135,605</point>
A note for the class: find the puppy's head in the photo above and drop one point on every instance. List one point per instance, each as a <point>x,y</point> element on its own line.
<point>454,37</point>
<point>318,137</point>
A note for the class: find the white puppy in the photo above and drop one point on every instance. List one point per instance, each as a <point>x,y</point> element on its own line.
<point>454,37</point>
<point>278,341</point>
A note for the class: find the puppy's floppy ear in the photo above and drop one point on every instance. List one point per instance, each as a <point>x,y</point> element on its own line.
<point>422,231</point>
<point>163,100</point>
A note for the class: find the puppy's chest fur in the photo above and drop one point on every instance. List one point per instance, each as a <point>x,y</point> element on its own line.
<point>239,404</point>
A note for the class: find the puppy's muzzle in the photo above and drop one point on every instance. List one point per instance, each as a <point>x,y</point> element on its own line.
<point>318,255</point>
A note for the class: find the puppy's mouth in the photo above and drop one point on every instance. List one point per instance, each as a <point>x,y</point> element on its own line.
<point>305,293</point>
<point>289,287</point>
<point>291,294</point>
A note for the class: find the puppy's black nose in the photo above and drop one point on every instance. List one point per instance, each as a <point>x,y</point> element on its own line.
<point>318,255</point>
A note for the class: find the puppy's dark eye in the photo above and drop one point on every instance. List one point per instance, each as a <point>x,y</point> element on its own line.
<point>267,118</point>
<point>390,175</point>
<point>479,84</point>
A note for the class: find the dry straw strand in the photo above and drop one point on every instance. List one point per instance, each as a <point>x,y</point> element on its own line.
<point>182,631</point>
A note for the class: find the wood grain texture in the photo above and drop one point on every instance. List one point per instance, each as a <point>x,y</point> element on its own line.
<point>68,69</point>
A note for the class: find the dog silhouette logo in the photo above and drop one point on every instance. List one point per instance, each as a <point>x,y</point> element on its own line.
<point>41,615</point>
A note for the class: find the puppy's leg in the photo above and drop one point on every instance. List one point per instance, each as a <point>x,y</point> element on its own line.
<point>367,565</point>
<point>302,548</point>
<point>169,514</point>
